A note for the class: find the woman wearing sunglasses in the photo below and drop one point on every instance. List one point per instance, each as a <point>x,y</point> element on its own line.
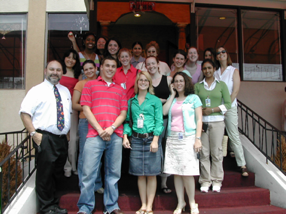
<point>230,75</point>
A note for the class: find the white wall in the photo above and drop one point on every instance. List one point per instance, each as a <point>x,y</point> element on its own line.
<point>66,6</point>
<point>14,6</point>
<point>10,101</point>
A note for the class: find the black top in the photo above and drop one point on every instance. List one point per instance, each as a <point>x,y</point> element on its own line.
<point>162,90</point>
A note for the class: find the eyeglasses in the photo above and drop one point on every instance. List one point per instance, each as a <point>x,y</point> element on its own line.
<point>223,52</point>
<point>143,80</point>
<point>153,51</point>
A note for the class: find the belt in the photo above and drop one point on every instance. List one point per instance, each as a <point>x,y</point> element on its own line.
<point>47,132</point>
<point>138,135</point>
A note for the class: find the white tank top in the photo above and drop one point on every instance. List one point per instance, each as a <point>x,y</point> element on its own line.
<point>227,77</point>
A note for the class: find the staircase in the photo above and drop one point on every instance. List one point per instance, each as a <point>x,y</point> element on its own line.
<point>238,196</point>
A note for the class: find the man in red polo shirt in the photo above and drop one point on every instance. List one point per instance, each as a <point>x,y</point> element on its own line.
<point>105,106</point>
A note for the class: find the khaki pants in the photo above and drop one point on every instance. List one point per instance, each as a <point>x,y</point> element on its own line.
<point>231,122</point>
<point>212,172</point>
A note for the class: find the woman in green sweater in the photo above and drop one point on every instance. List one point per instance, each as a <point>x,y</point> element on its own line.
<point>215,99</point>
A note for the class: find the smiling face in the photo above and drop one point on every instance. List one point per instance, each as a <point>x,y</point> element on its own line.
<point>221,54</point>
<point>90,42</point>
<point>179,60</point>
<point>192,55</point>
<point>70,61</point>
<point>143,82</point>
<point>208,55</point>
<point>137,50</point>
<point>151,52</point>
<point>208,70</point>
<point>113,47</point>
<point>152,65</point>
<point>90,71</point>
<point>53,72</point>
<point>101,43</point>
<point>108,70</point>
<point>125,58</point>
<point>179,83</point>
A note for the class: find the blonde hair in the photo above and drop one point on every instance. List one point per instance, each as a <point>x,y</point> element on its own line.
<point>147,75</point>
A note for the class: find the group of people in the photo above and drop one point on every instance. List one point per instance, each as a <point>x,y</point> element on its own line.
<point>172,119</point>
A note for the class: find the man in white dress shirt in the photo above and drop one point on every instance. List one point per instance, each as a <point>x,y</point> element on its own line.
<point>45,112</point>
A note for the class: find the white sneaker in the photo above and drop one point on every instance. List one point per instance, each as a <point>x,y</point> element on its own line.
<point>204,189</point>
<point>216,189</point>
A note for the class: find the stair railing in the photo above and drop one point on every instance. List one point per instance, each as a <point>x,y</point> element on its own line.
<point>264,136</point>
<point>17,167</point>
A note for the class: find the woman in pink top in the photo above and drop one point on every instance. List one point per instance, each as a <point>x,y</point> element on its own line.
<point>71,73</point>
<point>192,66</point>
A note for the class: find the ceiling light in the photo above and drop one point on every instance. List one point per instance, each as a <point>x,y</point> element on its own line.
<point>137,14</point>
<point>222,17</point>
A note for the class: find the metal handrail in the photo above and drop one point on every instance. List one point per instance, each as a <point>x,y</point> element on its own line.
<point>23,153</point>
<point>264,136</point>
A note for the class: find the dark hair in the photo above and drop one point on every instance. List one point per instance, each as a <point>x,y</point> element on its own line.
<point>188,86</point>
<point>76,67</point>
<point>137,43</point>
<point>180,51</point>
<point>106,52</point>
<point>89,61</point>
<point>85,37</point>
<point>109,57</point>
<point>212,51</point>
<point>208,61</point>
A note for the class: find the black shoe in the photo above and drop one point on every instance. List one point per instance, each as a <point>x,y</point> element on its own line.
<point>57,210</point>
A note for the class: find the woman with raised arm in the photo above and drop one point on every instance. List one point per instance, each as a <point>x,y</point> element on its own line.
<point>183,139</point>
<point>230,75</point>
<point>89,45</point>
<point>71,73</point>
<point>216,101</point>
<point>192,66</point>
<point>90,71</point>
<point>160,85</point>
<point>152,49</point>
<point>145,125</point>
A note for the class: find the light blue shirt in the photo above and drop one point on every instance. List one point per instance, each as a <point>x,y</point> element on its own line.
<point>188,113</point>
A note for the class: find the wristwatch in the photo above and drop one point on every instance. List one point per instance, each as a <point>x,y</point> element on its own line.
<point>113,127</point>
<point>33,133</point>
<point>212,110</point>
<point>198,138</point>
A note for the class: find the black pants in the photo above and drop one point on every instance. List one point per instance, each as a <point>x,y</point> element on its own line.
<point>51,157</point>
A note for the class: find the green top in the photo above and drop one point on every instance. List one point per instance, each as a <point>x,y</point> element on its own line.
<point>216,95</point>
<point>151,108</point>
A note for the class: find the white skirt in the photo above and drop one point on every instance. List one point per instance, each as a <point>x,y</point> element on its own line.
<point>180,157</point>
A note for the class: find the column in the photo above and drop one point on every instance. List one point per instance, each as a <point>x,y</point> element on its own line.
<point>181,35</point>
<point>104,26</point>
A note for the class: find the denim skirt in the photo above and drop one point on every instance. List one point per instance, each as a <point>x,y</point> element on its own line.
<point>142,161</point>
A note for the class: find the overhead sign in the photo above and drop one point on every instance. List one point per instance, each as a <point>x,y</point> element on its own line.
<point>142,6</point>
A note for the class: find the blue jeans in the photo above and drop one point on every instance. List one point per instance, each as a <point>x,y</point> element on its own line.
<point>83,131</point>
<point>93,151</point>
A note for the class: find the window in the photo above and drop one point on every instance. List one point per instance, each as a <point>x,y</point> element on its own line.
<point>217,27</point>
<point>261,44</point>
<point>59,27</point>
<point>12,51</point>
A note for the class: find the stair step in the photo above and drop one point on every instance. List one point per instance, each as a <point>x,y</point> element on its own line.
<point>228,197</point>
<point>263,209</point>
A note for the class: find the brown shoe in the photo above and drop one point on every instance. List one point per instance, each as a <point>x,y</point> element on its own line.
<point>117,211</point>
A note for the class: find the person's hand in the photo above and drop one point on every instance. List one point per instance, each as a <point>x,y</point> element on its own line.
<point>154,146</point>
<point>68,137</point>
<point>197,145</point>
<point>172,90</point>
<point>37,138</point>
<point>126,143</point>
<point>103,135</point>
<point>206,111</point>
<point>71,36</point>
